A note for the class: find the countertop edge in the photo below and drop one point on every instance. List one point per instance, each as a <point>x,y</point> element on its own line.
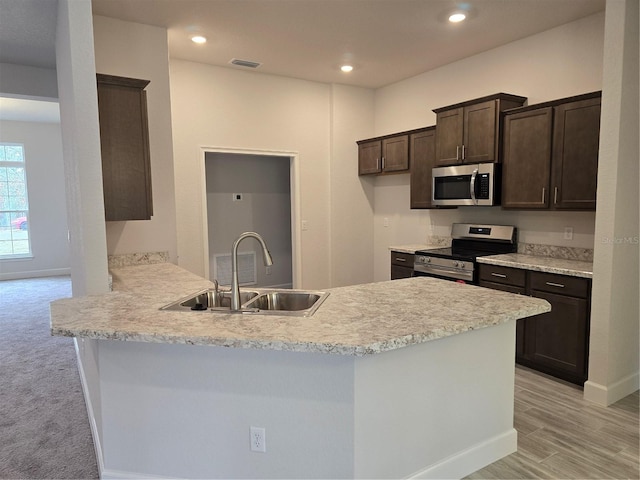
<point>347,326</point>
<point>571,268</point>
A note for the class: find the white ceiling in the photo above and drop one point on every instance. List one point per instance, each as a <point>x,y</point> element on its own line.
<point>385,40</point>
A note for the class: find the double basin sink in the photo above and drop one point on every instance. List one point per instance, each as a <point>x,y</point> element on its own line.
<point>302,303</point>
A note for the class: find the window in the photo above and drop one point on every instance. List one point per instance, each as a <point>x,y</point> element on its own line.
<point>14,204</point>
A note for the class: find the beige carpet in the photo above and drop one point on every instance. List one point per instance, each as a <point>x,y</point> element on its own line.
<point>44,430</point>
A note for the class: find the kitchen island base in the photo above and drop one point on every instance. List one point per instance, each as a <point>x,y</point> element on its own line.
<point>439,409</point>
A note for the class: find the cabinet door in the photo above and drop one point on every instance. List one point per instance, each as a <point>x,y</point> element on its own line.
<point>479,140</point>
<point>560,337</point>
<point>526,159</point>
<point>124,141</point>
<point>398,272</point>
<point>395,154</point>
<point>369,155</point>
<point>449,139</point>
<point>575,154</point>
<point>521,324</point>
<point>423,150</point>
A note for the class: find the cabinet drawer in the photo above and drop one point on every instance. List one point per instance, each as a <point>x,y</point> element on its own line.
<point>402,259</point>
<point>504,275</point>
<point>503,287</point>
<point>560,284</point>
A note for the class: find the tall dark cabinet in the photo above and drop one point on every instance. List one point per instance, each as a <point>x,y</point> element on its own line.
<point>124,142</point>
<point>422,148</point>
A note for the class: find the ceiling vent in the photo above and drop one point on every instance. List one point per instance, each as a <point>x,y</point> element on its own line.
<point>244,63</point>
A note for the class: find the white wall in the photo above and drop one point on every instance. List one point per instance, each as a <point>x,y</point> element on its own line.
<point>141,51</point>
<point>352,196</point>
<point>614,353</point>
<point>27,81</point>
<point>46,190</point>
<point>558,63</point>
<point>264,183</point>
<point>224,108</point>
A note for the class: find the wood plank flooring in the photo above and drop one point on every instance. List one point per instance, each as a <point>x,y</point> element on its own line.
<point>563,436</point>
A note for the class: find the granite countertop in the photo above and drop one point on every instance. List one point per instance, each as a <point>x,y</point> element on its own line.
<point>413,247</point>
<point>354,320</point>
<point>573,268</point>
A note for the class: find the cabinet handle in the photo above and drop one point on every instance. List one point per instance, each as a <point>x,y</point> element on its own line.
<point>401,259</point>
<point>457,152</point>
<point>555,195</point>
<point>543,192</point>
<point>501,275</point>
<point>382,163</point>
<point>378,163</point>
<point>464,149</point>
<point>553,284</point>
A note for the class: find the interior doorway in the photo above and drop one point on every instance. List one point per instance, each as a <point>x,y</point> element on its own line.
<point>249,192</point>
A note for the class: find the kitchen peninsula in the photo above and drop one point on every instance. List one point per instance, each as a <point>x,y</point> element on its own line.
<point>409,378</point>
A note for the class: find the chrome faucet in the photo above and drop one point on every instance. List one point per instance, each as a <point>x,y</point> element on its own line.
<point>235,285</point>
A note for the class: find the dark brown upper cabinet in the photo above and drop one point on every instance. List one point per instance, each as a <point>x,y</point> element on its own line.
<point>124,142</point>
<point>550,154</point>
<point>422,148</point>
<point>469,132</point>
<point>388,154</point>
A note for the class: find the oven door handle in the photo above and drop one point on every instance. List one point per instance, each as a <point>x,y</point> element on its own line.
<point>451,273</point>
<point>472,186</point>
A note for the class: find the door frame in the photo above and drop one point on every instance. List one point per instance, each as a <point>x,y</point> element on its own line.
<point>294,183</point>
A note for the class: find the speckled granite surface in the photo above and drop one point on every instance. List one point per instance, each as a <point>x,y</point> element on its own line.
<point>131,259</point>
<point>411,247</point>
<point>566,253</point>
<point>356,320</point>
<point>572,268</point>
<point>433,241</point>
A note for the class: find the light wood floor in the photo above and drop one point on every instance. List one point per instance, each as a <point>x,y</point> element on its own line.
<point>562,436</point>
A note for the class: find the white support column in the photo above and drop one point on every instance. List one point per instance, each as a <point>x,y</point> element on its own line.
<point>81,147</point>
<point>614,351</point>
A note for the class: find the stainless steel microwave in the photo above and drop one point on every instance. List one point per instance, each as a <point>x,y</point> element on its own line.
<point>476,184</point>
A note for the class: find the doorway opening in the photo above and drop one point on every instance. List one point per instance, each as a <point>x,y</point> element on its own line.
<point>250,191</point>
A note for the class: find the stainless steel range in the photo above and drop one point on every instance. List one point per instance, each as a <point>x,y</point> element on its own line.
<point>468,241</point>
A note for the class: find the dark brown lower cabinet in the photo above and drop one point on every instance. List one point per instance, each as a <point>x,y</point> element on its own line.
<point>401,265</point>
<point>557,342</point>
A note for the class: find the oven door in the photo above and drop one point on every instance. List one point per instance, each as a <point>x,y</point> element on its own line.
<point>422,269</point>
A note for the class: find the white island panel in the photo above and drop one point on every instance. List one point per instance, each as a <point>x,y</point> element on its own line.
<point>433,410</point>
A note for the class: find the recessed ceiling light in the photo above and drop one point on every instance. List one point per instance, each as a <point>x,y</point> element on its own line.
<point>346,68</point>
<point>199,39</point>
<point>457,17</point>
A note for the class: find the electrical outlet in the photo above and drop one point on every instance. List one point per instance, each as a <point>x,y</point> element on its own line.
<point>258,440</point>
<point>568,233</point>
<point>385,222</point>
<point>305,225</point>
<point>268,268</point>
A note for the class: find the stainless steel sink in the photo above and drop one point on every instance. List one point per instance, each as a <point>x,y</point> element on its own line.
<point>208,300</point>
<point>286,301</point>
<point>301,303</point>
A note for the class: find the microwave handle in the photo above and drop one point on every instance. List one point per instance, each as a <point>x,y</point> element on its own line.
<point>472,186</point>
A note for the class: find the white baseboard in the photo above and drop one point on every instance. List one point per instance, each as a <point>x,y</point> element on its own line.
<point>92,419</point>
<point>119,475</point>
<point>52,272</point>
<point>473,459</point>
<point>605,395</point>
